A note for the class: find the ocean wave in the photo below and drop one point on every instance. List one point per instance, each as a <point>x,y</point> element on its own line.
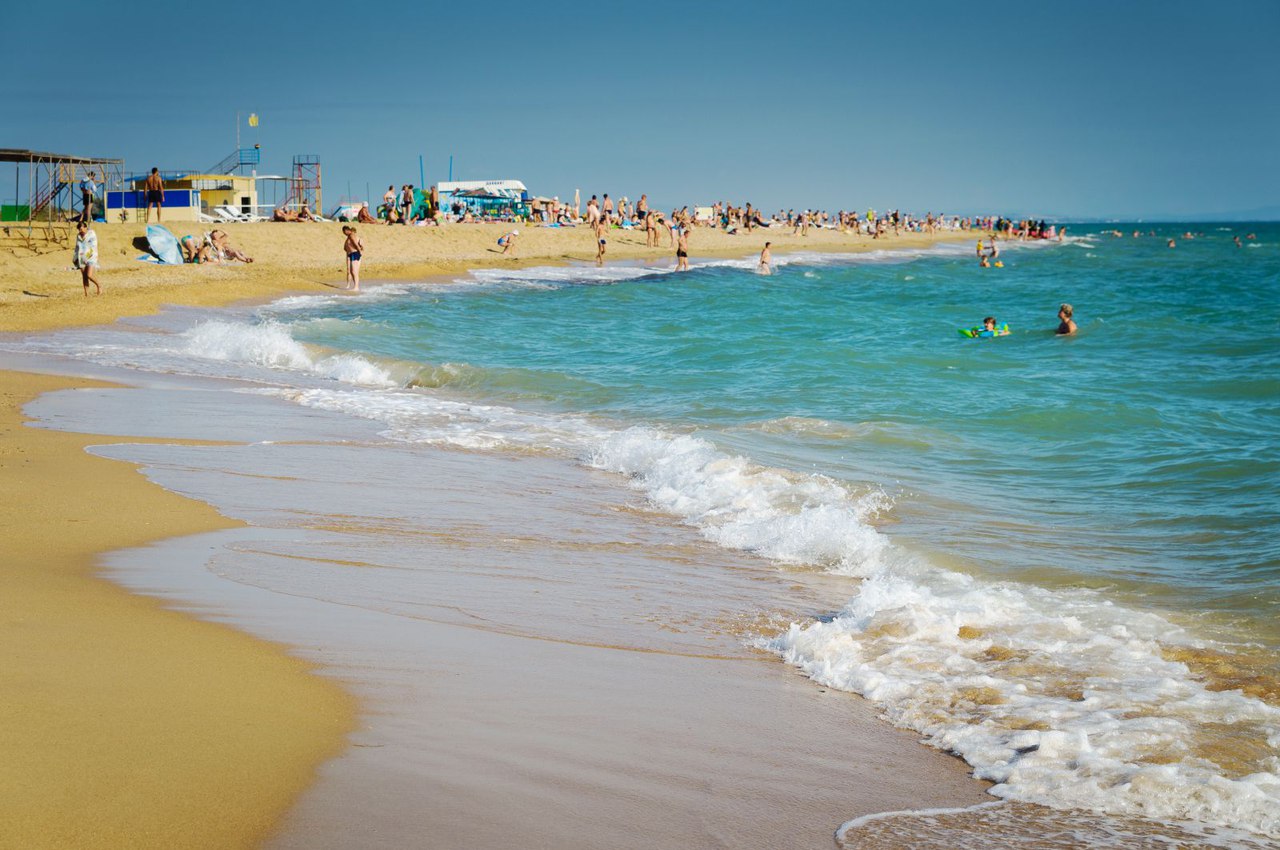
<point>271,345</point>
<point>1059,696</point>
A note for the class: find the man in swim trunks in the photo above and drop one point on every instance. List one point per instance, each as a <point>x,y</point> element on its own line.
<point>600,228</point>
<point>766,260</point>
<point>682,251</point>
<point>353,247</point>
<point>154,187</point>
<point>1066,326</point>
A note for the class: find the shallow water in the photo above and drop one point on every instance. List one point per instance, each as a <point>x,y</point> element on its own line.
<point>1067,546</point>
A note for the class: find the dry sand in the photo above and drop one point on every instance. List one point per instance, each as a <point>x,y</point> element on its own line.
<point>40,291</point>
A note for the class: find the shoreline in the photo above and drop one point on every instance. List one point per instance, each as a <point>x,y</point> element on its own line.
<point>170,730</point>
<point>38,292</point>
<point>69,673</point>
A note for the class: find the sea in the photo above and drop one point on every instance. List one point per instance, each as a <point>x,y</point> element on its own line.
<point>1055,557</point>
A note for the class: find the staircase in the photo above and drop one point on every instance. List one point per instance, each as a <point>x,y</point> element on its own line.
<point>46,195</point>
<point>237,159</point>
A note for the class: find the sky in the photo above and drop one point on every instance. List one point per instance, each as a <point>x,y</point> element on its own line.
<point>1084,109</point>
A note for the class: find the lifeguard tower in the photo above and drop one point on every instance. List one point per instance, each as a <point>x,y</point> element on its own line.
<point>53,199</point>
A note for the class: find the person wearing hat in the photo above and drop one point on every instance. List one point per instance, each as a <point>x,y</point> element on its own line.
<point>507,242</point>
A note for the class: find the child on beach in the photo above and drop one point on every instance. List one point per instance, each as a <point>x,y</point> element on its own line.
<point>600,228</point>
<point>1066,326</point>
<point>507,242</point>
<point>353,247</point>
<point>86,257</point>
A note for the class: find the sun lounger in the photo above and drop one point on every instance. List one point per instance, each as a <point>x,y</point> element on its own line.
<point>229,214</point>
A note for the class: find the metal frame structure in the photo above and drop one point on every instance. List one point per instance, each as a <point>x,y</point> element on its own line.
<point>51,191</point>
<point>304,185</point>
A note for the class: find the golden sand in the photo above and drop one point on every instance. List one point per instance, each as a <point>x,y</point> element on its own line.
<point>123,724</point>
<point>39,290</point>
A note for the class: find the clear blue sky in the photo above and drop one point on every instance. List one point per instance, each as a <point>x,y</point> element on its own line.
<point>1088,108</point>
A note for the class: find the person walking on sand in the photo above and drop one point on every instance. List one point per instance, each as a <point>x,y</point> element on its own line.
<point>601,228</point>
<point>353,247</point>
<point>1066,326</point>
<point>86,257</point>
<point>154,187</point>
<point>766,260</point>
<point>682,251</point>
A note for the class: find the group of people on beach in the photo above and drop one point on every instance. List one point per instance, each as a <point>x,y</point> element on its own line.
<point>213,247</point>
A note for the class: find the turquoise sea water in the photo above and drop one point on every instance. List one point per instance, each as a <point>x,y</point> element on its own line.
<point>1139,452</point>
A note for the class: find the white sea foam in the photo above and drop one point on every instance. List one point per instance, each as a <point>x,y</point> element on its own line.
<point>1058,696</point>
<point>270,344</point>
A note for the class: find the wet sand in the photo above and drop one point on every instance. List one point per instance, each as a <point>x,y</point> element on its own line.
<point>124,724</point>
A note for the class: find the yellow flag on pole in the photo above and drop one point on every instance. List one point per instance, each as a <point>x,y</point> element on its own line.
<point>253,119</point>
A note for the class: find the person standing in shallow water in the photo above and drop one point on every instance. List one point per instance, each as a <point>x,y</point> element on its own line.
<point>682,251</point>
<point>766,260</point>
<point>353,247</point>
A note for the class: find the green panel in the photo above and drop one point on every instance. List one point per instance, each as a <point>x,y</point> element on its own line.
<point>14,212</point>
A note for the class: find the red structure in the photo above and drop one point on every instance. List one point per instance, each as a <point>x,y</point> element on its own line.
<point>304,183</point>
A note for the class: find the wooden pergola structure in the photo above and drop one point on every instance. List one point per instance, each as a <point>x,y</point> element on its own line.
<point>52,198</point>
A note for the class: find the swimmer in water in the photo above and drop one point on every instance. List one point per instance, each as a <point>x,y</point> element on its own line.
<point>1173,244</point>
<point>766,260</point>
<point>989,326</point>
<point>1236,239</point>
<point>1066,326</point>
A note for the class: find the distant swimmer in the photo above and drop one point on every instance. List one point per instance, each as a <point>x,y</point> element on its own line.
<point>766,260</point>
<point>1173,244</point>
<point>1236,239</point>
<point>984,262</point>
<point>1251,236</point>
<point>1066,326</point>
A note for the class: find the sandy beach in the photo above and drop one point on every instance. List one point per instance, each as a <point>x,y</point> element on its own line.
<point>123,723</point>
<point>136,724</point>
<point>40,291</point>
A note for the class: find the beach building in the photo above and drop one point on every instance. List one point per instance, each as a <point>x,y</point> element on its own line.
<point>186,196</point>
<point>486,197</point>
